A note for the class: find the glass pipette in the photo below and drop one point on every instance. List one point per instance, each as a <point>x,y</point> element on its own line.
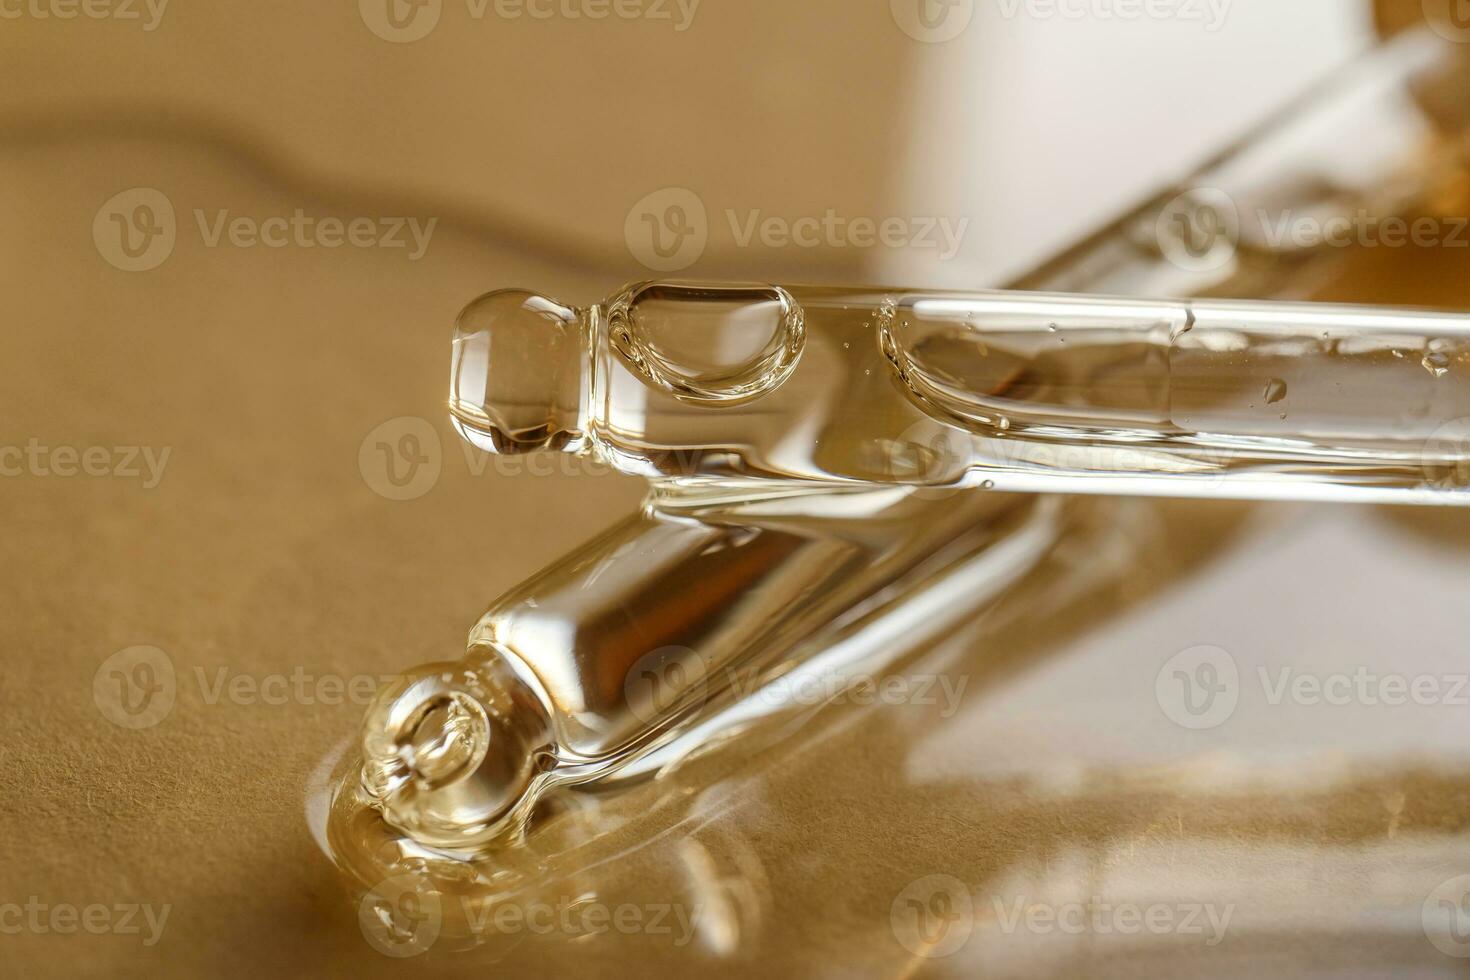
<point>1010,391</point>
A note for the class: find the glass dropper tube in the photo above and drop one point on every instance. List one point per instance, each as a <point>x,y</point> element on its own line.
<point>1005,390</point>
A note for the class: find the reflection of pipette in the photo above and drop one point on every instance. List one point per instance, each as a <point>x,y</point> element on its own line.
<point>1006,390</point>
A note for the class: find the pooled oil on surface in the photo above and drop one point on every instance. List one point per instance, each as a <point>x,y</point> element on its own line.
<point>582,841</point>
<point>1018,861</point>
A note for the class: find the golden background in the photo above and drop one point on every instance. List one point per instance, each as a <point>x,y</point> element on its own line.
<point>266,548</point>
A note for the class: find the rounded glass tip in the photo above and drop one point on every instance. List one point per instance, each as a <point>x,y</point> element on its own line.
<point>449,749</point>
<point>519,370</point>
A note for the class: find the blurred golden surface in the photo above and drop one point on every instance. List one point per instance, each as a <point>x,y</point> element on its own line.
<point>264,557</point>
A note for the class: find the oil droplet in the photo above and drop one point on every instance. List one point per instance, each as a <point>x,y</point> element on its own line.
<point>1436,363</point>
<point>1399,354</point>
<point>708,343</point>
<point>988,485</point>
<point>1275,391</point>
